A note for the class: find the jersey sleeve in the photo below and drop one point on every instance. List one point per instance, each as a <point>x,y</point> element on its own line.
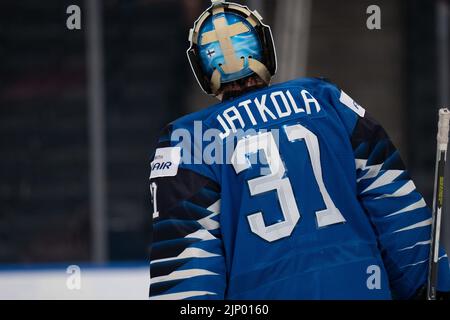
<point>187,259</point>
<point>397,211</point>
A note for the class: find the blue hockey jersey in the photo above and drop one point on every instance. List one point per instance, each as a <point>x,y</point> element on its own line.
<point>288,192</point>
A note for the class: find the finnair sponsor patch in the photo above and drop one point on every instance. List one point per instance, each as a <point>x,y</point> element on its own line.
<point>166,162</point>
<point>349,102</point>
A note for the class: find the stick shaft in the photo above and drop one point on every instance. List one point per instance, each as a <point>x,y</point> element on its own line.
<point>438,201</point>
<point>436,225</point>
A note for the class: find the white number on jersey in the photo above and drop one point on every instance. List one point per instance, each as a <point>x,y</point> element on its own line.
<point>278,181</point>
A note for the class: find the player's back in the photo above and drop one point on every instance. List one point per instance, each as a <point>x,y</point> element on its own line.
<point>290,221</point>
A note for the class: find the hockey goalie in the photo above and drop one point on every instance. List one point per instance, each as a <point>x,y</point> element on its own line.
<point>289,191</point>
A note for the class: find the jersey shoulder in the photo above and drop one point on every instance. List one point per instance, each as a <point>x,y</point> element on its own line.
<point>331,95</point>
<point>181,143</point>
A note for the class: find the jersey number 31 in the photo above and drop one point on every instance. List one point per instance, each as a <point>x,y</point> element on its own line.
<point>278,181</point>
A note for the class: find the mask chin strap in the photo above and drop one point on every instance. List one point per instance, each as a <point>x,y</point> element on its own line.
<point>260,69</point>
<point>254,65</point>
<point>215,81</point>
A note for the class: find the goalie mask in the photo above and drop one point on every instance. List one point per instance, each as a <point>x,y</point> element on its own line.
<point>229,42</point>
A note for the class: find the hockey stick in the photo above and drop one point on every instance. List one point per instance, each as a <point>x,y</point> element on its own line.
<point>438,201</point>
